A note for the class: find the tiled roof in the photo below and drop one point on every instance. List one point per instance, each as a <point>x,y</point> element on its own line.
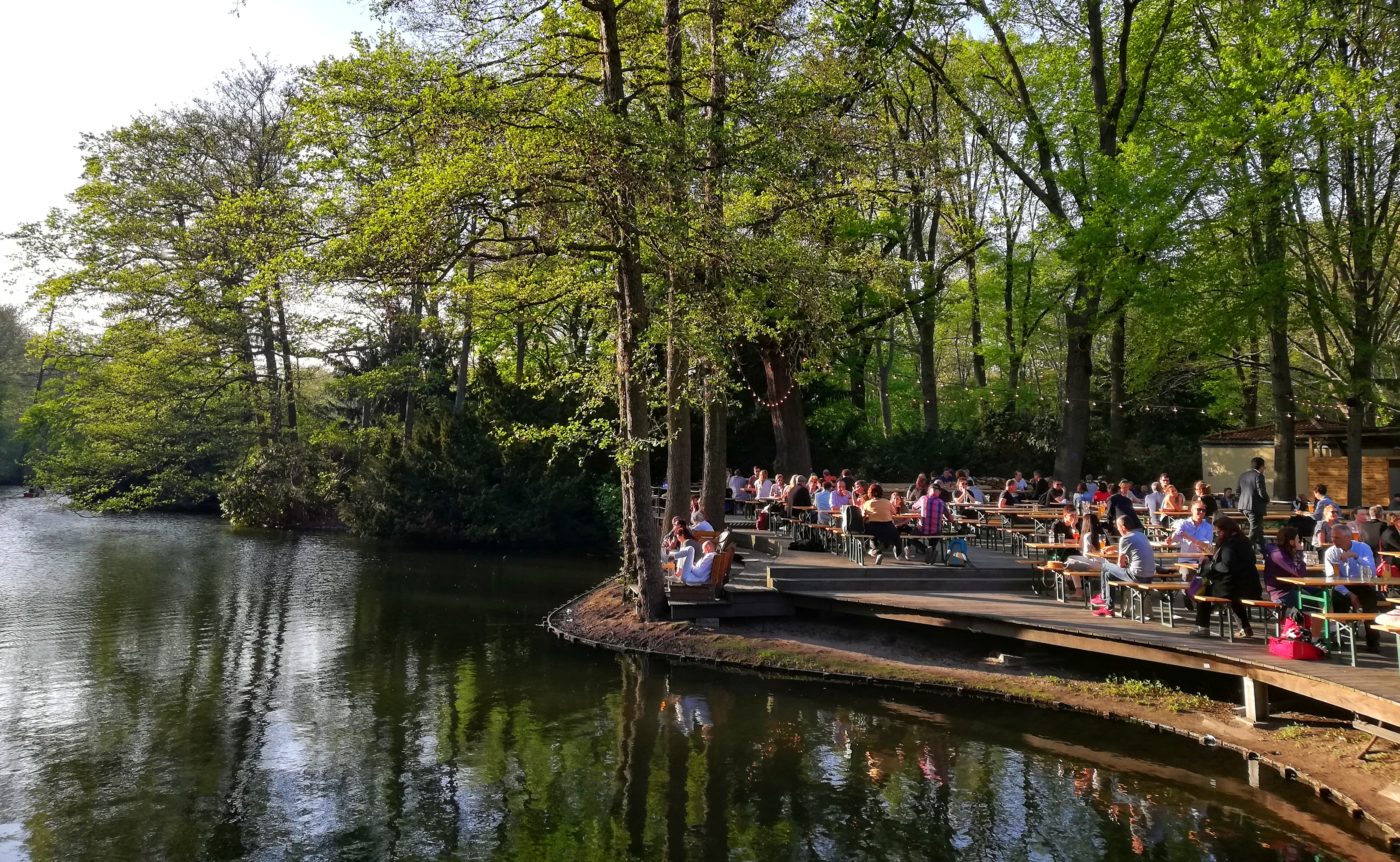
<point>1265,433</point>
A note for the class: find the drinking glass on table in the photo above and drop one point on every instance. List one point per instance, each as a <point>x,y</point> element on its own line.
<point>1310,558</point>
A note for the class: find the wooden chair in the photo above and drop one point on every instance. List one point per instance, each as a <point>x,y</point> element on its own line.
<point>708,591</point>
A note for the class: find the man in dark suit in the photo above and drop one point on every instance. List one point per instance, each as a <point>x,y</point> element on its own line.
<point>1254,500</point>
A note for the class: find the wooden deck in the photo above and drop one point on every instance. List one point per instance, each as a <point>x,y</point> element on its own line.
<point>1370,689</point>
<point>993,596</point>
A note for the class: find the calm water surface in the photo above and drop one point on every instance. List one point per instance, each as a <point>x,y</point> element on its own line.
<point>174,689</point>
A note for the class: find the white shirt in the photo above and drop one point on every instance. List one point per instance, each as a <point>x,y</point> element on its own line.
<point>765,489</point>
<point>1348,570</point>
<point>1202,532</point>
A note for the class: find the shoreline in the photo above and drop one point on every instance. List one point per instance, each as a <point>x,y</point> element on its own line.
<point>1301,751</point>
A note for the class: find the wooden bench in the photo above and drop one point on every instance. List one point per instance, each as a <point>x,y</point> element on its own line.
<point>1226,623</point>
<point>1162,591</point>
<point>1346,628</point>
<point>708,591</point>
<point>1272,612</point>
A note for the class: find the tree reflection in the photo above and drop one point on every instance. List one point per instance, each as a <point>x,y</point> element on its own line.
<point>256,697</point>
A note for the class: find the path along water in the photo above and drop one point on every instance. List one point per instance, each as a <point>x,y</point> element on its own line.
<point>171,688</point>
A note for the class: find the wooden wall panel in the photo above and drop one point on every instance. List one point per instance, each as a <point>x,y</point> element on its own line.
<point>1332,472</point>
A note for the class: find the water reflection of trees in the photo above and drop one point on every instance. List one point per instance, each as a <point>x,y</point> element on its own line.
<point>303,699</point>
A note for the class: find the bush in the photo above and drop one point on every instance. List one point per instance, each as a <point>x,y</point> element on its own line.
<point>283,484</point>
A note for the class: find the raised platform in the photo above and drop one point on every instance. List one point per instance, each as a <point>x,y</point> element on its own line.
<point>993,596</point>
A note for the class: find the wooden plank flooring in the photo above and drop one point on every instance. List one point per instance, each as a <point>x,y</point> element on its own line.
<point>1371,689</point>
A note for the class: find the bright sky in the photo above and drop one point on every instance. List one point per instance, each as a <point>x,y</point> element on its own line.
<point>89,65</point>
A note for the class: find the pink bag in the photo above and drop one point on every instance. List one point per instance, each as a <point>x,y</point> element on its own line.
<point>1295,649</point>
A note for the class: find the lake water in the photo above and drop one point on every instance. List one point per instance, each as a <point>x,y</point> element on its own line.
<point>171,688</point>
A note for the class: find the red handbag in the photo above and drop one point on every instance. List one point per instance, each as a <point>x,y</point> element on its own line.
<point>1295,649</point>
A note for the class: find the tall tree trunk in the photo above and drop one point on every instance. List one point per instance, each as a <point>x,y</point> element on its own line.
<point>979,362</point>
<point>1117,394</point>
<point>641,553</point>
<point>287,370</point>
<point>269,355</point>
<point>678,444</point>
<point>793,451</point>
<point>859,361</point>
<point>464,353</point>
<point>1079,371</point>
<point>885,364</point>
<point>519,351</point>
<point>1273,277</point>
<point>714,475</point>
<point>1008,308</point>
<point>928,370</point>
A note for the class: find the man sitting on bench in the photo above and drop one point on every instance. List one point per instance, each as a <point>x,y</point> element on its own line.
<point>1135,561</point>
<point>689,570</point>
<point>1349,560</point>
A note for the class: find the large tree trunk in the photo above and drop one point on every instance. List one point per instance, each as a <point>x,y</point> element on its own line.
<point>979,362</point>
<point>1079,371</point>
<point>886,364</point>
<point>793,452</point>
<point>287,371</point>
<point>464,355</point>
<point>678,445</point>
<point>641,552</point>
<point>928,371</point>
<point>269,355</point>
<point>1273,276</point>
<point>714,475</point>
<point>1117,392</point>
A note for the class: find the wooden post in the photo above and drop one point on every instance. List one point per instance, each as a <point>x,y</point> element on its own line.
<point>1256,700</point>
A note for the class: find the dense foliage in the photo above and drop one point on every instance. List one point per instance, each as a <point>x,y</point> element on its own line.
<point>497,239</point>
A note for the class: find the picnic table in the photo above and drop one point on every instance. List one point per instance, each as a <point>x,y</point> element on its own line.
<point>1323,602</point>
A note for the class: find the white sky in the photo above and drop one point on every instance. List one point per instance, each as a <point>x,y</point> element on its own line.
<point>88,65</point>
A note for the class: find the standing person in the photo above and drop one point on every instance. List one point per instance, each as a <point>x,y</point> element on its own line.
<point>1254,500</point>
<point>1320,502</point>
<point>1232,574</point>
<point>1136,562</point>
<point>1347,560</point>
<point>879,521</point>
<point>736,482</point>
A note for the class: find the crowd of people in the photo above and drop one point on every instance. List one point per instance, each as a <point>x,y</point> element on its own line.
<point>1108,523</point>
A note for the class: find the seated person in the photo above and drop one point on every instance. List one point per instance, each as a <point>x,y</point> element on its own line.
<point>841,496</point>
<point>680,537</point>
<point>1054,495</point>
<point>1232,573</point>
<point>1064,530</point>
<point>691,571</point>
<point>1009,497</point>
<point>1322,532</point>
<point>1135,561</point>
<point>1367,526</point>
<point>1121,502</point>
<point>745,491</point>
<point>1283,558</point>
<point>1349,560</point>
<point>1153,501</point>
<point>822,501</point>
<point>797,500</point>
<point>1195,535</point>
<point>703,523</point>
<point>879,524</point>
<point>1091,537</point>
<point>1205,495</point>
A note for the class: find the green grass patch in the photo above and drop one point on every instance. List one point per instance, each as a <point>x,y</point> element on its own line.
<point>1152,692</point>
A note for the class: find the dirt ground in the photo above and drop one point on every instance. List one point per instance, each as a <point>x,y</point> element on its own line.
<point>1321,751</point>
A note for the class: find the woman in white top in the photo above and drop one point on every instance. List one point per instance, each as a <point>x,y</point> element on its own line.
<point>764,485</point>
